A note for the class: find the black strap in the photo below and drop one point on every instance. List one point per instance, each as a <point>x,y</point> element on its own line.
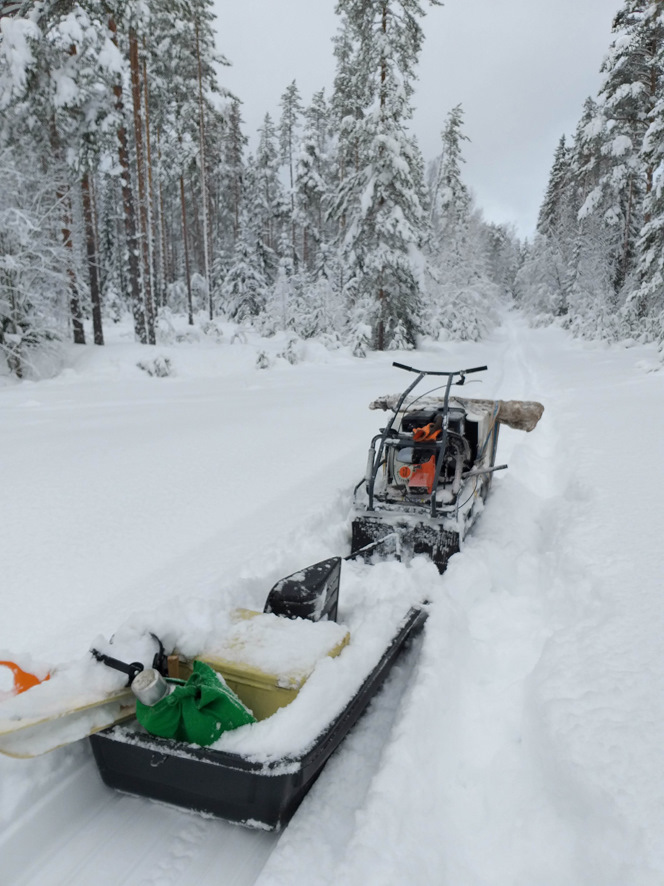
<point>159,662</point>
<point>131,670</point>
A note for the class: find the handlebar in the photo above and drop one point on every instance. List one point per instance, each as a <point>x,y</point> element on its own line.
<point>427,372</point>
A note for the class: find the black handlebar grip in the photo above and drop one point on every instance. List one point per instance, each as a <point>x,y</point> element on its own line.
<point>426,372</point>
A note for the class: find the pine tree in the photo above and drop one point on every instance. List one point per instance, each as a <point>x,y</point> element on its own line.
<point>592,299</point>
<point>450,199</point>
<point>268,198</point>
<point>188,113</point>
<point>378,207</point>
<point>133,245</point>
<point>556,224</point>
<point>313,183</point>
<point>232,173</point>
<point>291,111</point>
<point>350,98</point>
<point>461,293</point>
<point>629,94</point>
<point>244,288</point>
<point>140,119</point>
<point>551,220</point>
<point>648,299</point>
<point>204,47</point>
<point>588,155</point>
<point>254,264</point>
<point>33,284</point>
<point>56,89</point>
<point>598,230</point>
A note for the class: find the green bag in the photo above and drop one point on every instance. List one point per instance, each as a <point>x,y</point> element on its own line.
<point>197,711</point>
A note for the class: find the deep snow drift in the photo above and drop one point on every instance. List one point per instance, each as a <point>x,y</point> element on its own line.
<point>520,743</point>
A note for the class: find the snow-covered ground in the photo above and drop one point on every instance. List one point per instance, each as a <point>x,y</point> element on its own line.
<point>520,742</point>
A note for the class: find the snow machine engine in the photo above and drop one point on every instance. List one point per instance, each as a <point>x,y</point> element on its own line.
<point>412,464</point>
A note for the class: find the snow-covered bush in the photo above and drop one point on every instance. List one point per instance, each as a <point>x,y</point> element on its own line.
<point>400,340</point>
<point>293,352</point>
<point>176,296</point>
<point>33,281</point>
<point>240,336</point>
<point>212,331</point>
<point>158,367</point>
<point>469,315</point>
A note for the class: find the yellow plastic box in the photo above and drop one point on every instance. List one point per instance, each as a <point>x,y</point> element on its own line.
<point>266,659</point>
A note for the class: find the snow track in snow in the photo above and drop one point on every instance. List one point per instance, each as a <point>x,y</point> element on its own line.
<point>82,832</point>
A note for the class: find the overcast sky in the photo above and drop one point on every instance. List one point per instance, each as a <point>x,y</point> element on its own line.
<point>520,68</point>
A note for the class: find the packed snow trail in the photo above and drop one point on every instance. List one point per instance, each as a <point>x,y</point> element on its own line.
<point>88,834</point>
<point>523,744</point>
<point>115,487</point>
<point>531,747</point>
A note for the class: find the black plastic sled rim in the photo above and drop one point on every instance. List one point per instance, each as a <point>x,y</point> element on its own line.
<point>230,786</point>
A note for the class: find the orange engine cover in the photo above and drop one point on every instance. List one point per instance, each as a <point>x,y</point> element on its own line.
<point>423,475</point>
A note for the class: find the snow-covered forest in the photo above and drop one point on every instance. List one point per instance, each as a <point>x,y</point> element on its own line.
<point>597,259</point>
<point>128,187</point>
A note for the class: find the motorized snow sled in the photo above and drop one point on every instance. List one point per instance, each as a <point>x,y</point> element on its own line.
<point>430,468</point>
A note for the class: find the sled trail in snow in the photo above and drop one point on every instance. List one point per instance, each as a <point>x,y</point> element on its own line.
<point>82,832</point>
<point>529,749</point>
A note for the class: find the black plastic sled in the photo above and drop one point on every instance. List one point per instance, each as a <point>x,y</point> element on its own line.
<point>226,785</point>
<point>232,786</point>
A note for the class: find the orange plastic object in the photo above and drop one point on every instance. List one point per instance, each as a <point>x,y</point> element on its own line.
<point>424,474</point>
<point>405,472</point>
<point>426,434</point>
<point>22,679</point>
